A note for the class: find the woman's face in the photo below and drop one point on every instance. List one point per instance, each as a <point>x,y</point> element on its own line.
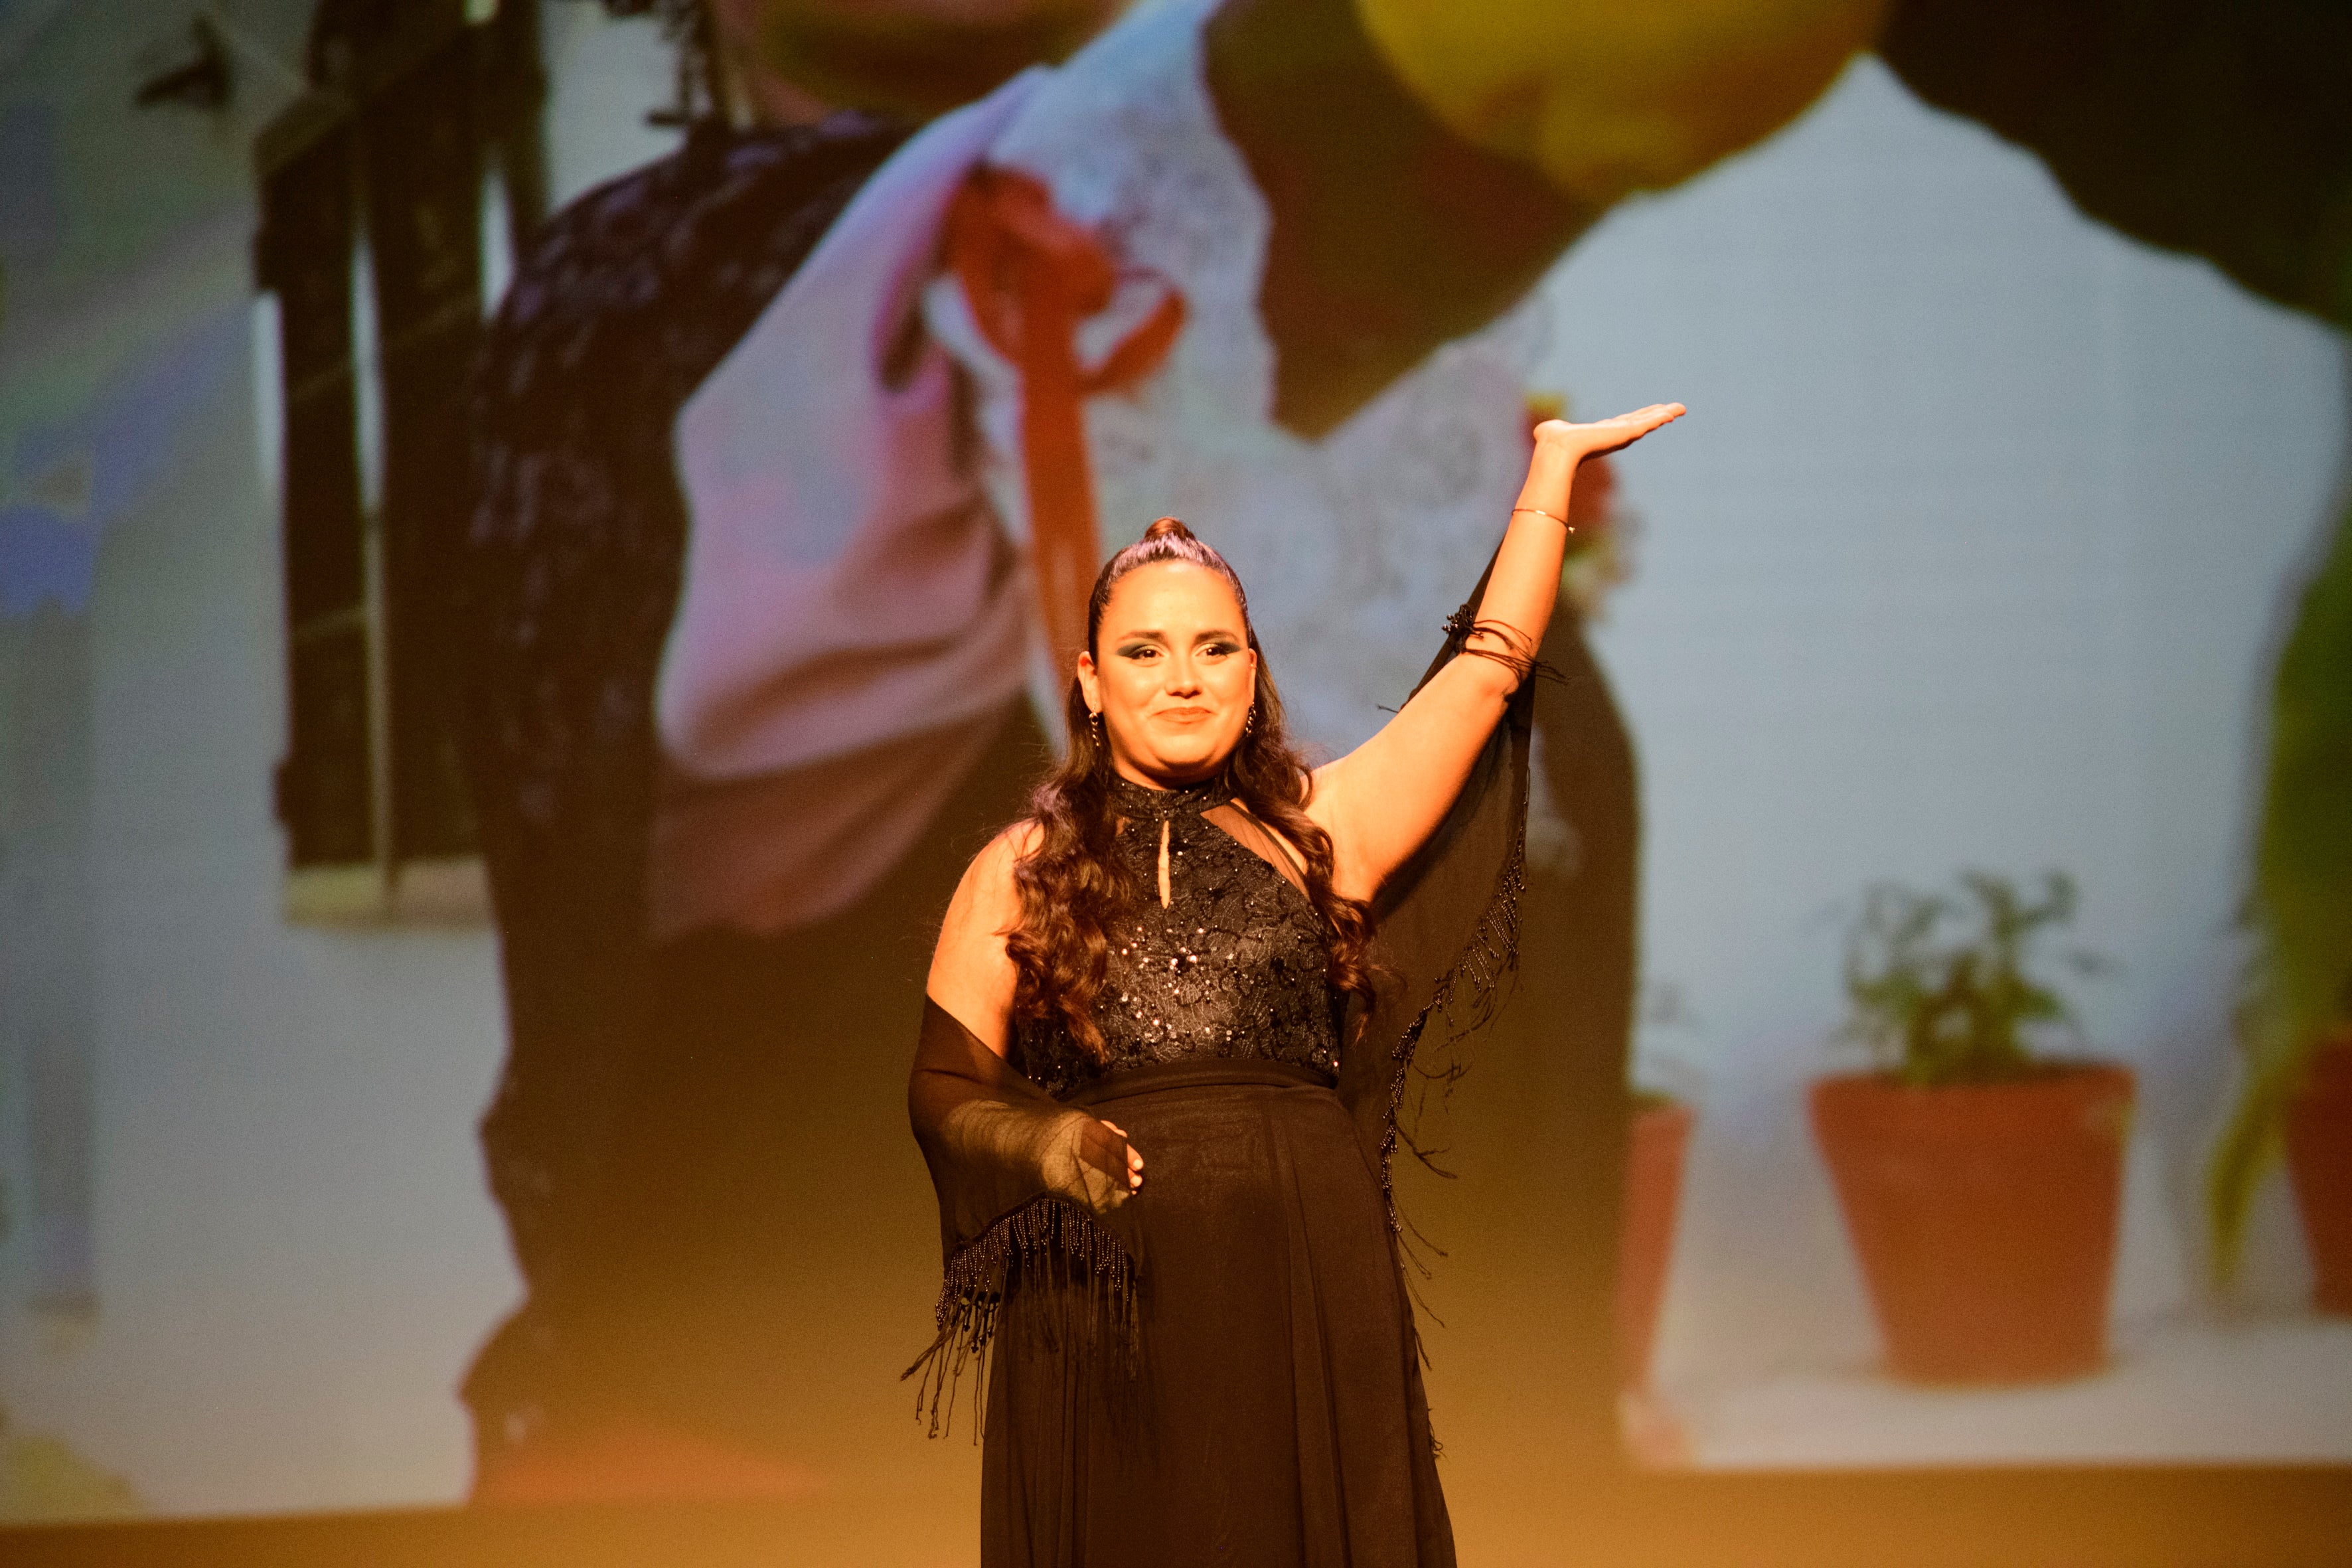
<point>1172,674</point>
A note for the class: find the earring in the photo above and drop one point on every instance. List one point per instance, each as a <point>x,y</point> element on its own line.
<point>1094,716</point>
<point>1250,722</point>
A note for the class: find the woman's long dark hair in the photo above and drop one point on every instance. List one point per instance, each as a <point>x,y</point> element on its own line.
<point>1072,882</point>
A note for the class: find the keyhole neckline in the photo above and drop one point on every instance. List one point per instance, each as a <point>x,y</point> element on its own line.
<point>1140,802</point>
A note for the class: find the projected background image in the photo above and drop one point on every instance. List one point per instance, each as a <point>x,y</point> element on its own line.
<point>489,713</point>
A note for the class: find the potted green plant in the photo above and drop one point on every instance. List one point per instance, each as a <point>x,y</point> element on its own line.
<point>2295,1026</point>
<point>1657,1131</point>
<point>1658,1122</point>
<point>2318,1140</point>
<point>1980,1177</point>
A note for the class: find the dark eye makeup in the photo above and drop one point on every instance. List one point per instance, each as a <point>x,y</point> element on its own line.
<point>1222,646</point>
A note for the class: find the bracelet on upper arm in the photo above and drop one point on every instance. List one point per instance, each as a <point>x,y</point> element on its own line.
<point>1517,655</point>
<point>1541,512</point>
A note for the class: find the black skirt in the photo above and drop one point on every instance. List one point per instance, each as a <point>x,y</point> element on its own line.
<point>1272,1410</point>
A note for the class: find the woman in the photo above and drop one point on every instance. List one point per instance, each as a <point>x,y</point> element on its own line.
<point>1210,1357</point>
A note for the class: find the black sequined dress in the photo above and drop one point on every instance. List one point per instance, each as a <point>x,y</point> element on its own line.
<point>1231,967</point>
<point>1223,1367</point>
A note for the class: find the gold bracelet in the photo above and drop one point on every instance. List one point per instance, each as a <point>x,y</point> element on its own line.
<point>1541,512</point>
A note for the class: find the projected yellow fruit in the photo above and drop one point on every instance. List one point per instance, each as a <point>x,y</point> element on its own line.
<point>1610,98</point>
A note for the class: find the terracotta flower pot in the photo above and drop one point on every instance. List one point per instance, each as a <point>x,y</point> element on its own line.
<point>1985,1216</point>
<point>2319,1160</point>
<point>1655,1137</point>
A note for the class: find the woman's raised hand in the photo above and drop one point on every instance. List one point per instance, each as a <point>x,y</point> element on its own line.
<point>1382,801</point>
<point>1560,448</point>
<point>1602,436</point>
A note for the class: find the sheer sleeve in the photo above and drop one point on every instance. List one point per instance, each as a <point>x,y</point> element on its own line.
<point>1446,924</point>
<point>1023,1183</point>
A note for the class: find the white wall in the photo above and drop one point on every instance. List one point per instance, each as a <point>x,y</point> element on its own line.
<point>603,75</point>
<point>295,1255</point>
<point>1973,553</point>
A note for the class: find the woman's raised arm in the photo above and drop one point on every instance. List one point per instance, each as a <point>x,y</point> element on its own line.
<point>1382,799</point>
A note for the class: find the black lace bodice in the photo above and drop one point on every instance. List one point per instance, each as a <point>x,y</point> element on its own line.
<point>1235,965</point>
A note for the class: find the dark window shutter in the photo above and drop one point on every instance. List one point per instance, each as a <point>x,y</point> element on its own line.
<point>305,256</point>
<point>424,184</point>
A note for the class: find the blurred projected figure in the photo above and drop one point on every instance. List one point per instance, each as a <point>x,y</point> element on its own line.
<point>1214,1356</point>
<point>791,448</point>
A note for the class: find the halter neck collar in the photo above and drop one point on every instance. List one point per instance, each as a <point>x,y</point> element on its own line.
<point>1138,802</point>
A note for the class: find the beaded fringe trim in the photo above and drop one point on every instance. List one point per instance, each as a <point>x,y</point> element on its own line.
<point>1051,1242</point>
<point>1467,996</point>
<point>1470,992</point>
